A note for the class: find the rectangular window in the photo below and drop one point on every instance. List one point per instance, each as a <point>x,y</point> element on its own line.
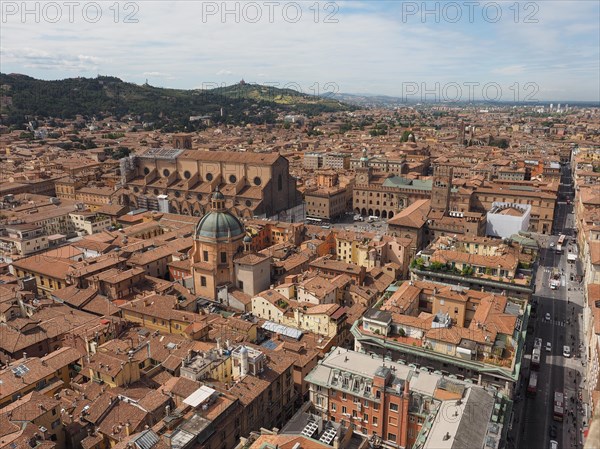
<point>392,437</point>
<point>333,407</point>
<point>344,409</point>
<point>205,255</point>
<point>223,257</point>
<point>203,281</point>
<point>393,407</point>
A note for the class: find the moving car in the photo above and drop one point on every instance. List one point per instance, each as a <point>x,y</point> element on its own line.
<point>547,317</point>
<point>566,351</point>
<point>548,346</point>
<point>551,244</point>
<point>553,444</point>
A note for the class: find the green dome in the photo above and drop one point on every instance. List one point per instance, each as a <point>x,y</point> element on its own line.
<point>217,224</point>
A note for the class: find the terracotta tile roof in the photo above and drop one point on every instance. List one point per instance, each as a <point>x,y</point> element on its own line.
<point>123,413</point>
<point>252,258</point>
<point>53,267</point>
<point>30,406</point>
<point>236,157</point>
<point>75,296</point>
<point>414,216</point>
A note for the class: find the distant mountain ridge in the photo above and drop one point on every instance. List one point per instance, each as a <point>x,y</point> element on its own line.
<point>250,103</point>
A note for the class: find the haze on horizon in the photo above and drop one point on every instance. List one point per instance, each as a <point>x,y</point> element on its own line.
<point>546,51</point>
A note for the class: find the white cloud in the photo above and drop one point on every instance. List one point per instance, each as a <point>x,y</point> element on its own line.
<point>369,49</point>
<point>509,70</point>
<point>39,59</point>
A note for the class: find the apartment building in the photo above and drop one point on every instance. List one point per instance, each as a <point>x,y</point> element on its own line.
<point>44,375</point>
<point>322,319</point>
<point>327,203</point>
<point>23,239</point>
<point>542,203</point>
<point>491,264</point>
<point>467,333</point>
<point>397,406</point>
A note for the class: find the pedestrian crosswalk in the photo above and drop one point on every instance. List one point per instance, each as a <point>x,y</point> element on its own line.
<point>558,323</point>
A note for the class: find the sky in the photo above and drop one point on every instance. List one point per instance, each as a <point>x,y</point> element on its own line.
<point>505,50</point>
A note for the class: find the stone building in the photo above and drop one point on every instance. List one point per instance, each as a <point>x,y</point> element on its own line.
<point>253,184</point>
<point>384,194</point>
<point>218,237</point>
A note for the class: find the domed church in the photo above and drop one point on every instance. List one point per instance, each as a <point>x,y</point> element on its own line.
<point>218,238</point>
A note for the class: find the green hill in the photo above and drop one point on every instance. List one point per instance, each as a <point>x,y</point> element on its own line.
<point>104,95</point>
<point>283,97</point>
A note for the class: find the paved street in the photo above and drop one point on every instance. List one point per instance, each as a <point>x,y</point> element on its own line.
<point>556,372</point>
<point>347,223</point>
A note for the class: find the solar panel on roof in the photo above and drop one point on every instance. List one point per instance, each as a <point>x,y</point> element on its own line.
<point>283,330</point>
<point>310,429</point>
<point>20,370</point>
<point>328,436</point>
<point>146,440</point>
<point>269,344</point>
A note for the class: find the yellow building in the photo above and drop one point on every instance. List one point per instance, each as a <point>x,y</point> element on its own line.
<point>40,410</point>
<point>50,272</point>
<point>322,319</point>
<point>46,375</point>
<point>159,313</point>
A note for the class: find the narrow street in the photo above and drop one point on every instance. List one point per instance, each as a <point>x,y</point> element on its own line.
<point>533,425</point>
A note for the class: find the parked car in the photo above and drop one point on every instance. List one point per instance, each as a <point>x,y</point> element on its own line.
<point>567,351</point>
<point>553,444</point>
<point>547,317</point>
<point>548,346</point>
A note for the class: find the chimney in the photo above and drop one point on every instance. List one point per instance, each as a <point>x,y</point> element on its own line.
<point>24,356</point>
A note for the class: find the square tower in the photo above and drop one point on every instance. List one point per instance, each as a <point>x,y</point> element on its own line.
<point>441,188</point>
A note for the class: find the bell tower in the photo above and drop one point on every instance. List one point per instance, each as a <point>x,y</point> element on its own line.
<point>441,188</point>
<point>364,171</point>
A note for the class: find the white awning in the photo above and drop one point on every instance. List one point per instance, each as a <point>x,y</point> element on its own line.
<point>464,350</point>
<point>199,396</point>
